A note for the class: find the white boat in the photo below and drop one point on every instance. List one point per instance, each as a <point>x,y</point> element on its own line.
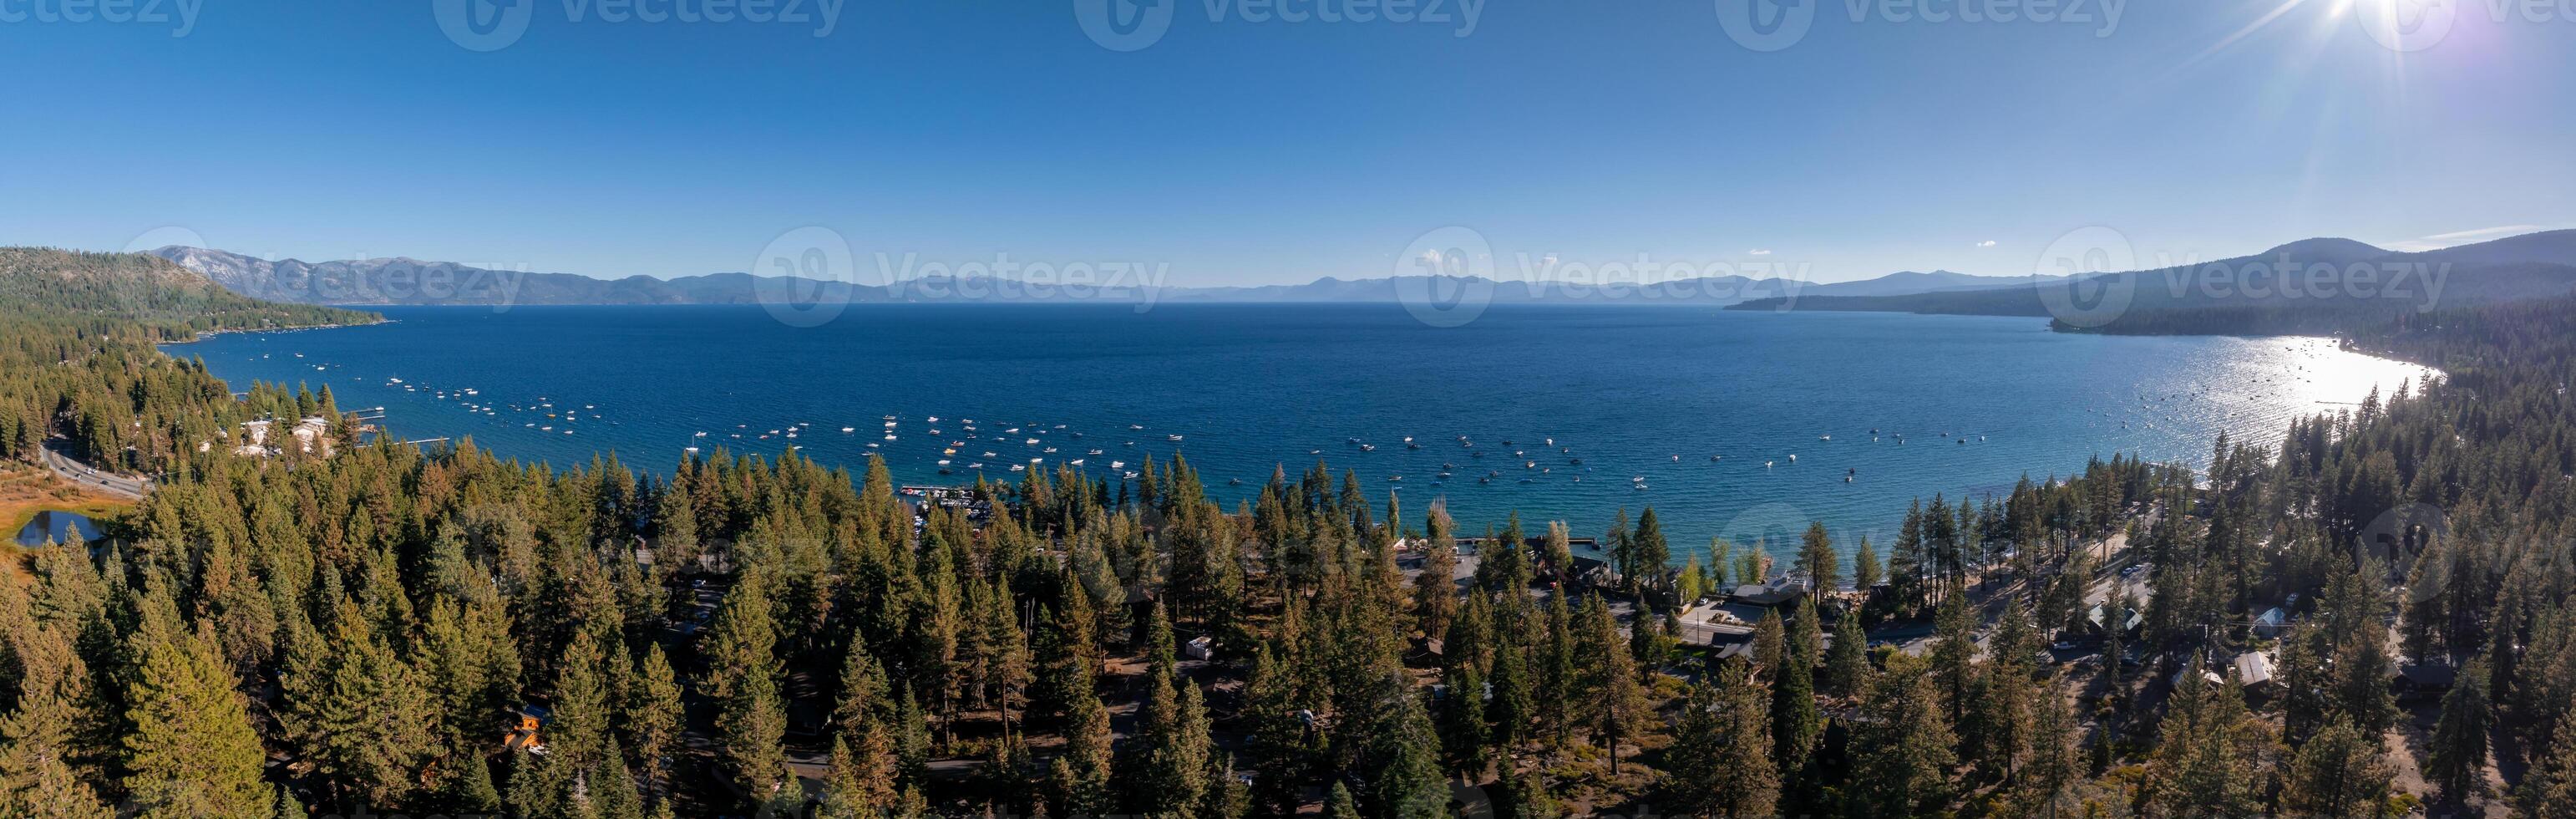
<point>1171,437</point>
<point>1075,462</point>
<point>849,429</point>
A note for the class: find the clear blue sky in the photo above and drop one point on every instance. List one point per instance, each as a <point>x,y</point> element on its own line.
<point>1258,152</point>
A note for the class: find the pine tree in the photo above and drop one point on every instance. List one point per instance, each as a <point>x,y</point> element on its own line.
<point>469,783</point>
<point>1817,559</point>
<point>1720,762</point>
<point>1770,642</point>
<point>2458,761</point>
<point>2201,766</point>
<point>2337,774</point>
<point>1170,766</point>
<point>1527,797</point>
<point>2549,789</point>
<point>41,737</point>
<point>862,776</point>
<point>911,739</point>
<point>751,719</point>
<point>1508,713</point>
<point>1613,695</point>
<point>1557,680</point>
<point>2047,785</point>
<point>1402,754</point>
<point>191,751</point>
<point>654,715</point>
<point>1795,723</point>
<point>1866,571</point>
<point>1902,756</point>
<point>1650,555</point>
<point>1954,652</point>
<point>1082,774</point>
<point>1847,663</point>
<point>611,786</point>
<point>1462,718</point>
<point>1339,805</point>
<point>357,712</point>
<point>578,733</point>
<point>1435,592</point>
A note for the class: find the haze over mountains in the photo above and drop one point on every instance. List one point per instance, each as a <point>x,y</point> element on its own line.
<point>2293,287</point>
<point>2303,286</point>
<point>410,281</point>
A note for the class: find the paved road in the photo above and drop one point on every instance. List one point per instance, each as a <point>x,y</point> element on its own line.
<point>123,486</point>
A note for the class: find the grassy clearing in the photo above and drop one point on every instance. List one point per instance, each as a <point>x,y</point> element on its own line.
<point>27,490</point>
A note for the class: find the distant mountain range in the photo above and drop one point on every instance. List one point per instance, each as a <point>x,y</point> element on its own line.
<point>408,281</point>
<point>2308,285</point>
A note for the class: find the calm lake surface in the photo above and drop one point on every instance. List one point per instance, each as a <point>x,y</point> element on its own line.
<point>1647,393</point>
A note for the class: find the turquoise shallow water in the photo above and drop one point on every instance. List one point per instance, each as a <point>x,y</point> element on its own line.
<point>1646,393</point>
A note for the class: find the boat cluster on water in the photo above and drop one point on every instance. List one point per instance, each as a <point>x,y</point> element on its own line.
<point>968,446</point>
<point>543,415</point>
<point>965,445</point>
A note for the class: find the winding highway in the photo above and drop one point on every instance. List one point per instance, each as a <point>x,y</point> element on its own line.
<point>123,486</point>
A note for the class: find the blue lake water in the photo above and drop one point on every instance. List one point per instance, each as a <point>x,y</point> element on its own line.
<point>54,526</point>
<point>1647,393</point>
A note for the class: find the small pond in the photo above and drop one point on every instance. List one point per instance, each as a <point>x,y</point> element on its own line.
<point>54,526</point>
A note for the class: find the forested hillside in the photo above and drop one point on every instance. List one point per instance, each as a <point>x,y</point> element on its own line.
<point>440,631</point>
<point>2313,286</point>
<point>79,363</point>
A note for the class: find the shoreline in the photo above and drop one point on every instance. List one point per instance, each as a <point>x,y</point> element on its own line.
<point>1588,503</point>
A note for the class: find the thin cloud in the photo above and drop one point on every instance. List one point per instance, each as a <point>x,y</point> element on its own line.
<point>2460,237</point>
<point>1986,243</point>
<point>1758,252</point>
<point>2464,235</point>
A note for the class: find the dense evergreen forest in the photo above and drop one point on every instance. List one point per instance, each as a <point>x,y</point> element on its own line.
<point>398,630</point>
